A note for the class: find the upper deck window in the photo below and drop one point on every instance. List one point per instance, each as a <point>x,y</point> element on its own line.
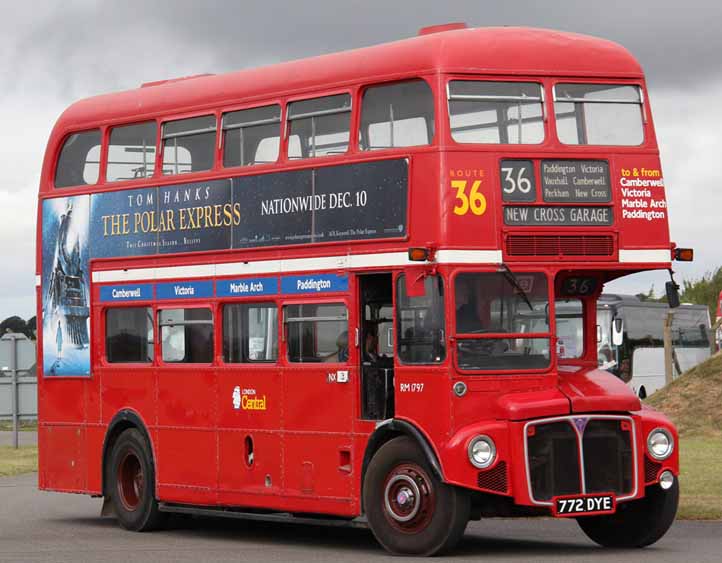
<point>496,112</point>
<point>319,127</point>
<point>189,144</point>
<point>79,160</point>
<point>599,114</point>
<point>131,152</point>
<point>397,115</point>
<point>251,136</point>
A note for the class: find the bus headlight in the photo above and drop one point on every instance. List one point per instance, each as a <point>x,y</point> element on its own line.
<point>482,452</point>
<point>660,444</point>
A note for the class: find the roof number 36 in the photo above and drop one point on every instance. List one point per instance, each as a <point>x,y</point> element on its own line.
<point>474,201</point>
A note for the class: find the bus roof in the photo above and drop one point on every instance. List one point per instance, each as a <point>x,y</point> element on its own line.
<point>492,50</point>
<point>621,300</point>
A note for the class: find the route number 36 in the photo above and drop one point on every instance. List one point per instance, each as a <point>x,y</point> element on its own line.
<point>512,184</point>
<point>474,201</point>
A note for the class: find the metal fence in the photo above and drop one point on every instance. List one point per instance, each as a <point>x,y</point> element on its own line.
<point>18,381</point>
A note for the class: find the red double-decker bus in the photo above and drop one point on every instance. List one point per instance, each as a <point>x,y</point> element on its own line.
<point>327,289</point>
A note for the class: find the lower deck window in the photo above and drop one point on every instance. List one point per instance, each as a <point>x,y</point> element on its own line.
<point>129,335</point>
<point>316,332</point>
<point>250,333</point>
<point>186,335</point>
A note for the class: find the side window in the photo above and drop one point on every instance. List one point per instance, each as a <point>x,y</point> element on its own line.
<point>129,335</point>
<point>496,112</point>
<point>250,333</point>
<point>186,335</point>
<point>319,127</point>
<point>316,332</point>
<point>251,136</point>
<point>79,160</point>
<point>131,152</point>
<point>421,322</point>
<point>570,328</point>
<point>397,115</point>
<point>189,144</point>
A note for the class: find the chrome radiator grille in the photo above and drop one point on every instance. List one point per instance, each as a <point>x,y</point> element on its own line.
<point>580,455</point>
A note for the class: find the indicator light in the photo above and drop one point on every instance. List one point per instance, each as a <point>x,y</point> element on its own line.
<point>684,254</point>
<point>419,254</point>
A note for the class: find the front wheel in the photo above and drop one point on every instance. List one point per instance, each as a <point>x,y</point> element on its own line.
<point>132,483</point>
<point>638,523</point>
<point>410,511</point>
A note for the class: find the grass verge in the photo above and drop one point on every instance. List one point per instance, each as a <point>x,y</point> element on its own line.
<point>15,462</point>
<point>7,426</point>
<point>693,400</point>
<point>700,481</point>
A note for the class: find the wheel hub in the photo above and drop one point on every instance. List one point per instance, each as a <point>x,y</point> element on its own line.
<point>131,481</point>
<point>408,498</point>
<point>402,498</point>
<point>405,496</point>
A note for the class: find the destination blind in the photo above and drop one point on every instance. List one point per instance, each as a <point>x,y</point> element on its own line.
<point>575,181</point>
<point>562,216</point>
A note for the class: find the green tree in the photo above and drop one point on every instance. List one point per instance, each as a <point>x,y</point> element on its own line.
<point>16,324</point>
<point>32,324</point>
<point>703,291</point>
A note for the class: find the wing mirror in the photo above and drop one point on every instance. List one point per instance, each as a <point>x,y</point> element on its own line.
<point>671,289</point>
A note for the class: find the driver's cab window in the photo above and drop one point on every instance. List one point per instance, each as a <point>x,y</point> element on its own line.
<point>502,321</point>
<point>570,328</point>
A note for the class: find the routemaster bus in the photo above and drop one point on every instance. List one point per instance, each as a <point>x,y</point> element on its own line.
<point>302,292</point>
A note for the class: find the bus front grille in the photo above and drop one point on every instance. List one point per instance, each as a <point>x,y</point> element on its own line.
<point>580,455</point>
<point>546,245</point>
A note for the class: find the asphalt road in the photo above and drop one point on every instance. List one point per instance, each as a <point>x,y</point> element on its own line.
<point>38,526</point>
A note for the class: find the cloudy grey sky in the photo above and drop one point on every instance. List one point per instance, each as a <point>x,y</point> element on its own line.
<point>54,53</point>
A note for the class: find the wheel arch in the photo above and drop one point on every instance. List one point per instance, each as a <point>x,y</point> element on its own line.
<point>393,428</point>
<point>122,421</point>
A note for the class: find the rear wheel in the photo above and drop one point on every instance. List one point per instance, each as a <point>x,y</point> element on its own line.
<point>638,523</point>
<point>410,511</point>
<point>132,483</point>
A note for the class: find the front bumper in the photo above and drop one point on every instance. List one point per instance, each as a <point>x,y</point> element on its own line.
<point>541,459</point>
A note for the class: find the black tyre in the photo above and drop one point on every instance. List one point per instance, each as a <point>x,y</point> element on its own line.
<point>131,483</point>
<point>410,511</point>
<point>637,523</point>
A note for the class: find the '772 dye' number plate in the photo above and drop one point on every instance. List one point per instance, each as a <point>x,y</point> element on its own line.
<point>584,505</point>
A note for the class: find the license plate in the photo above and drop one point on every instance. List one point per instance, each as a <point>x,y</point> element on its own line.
<point>584,505</point>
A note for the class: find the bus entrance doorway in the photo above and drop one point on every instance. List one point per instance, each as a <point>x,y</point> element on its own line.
<point>376,346</point>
